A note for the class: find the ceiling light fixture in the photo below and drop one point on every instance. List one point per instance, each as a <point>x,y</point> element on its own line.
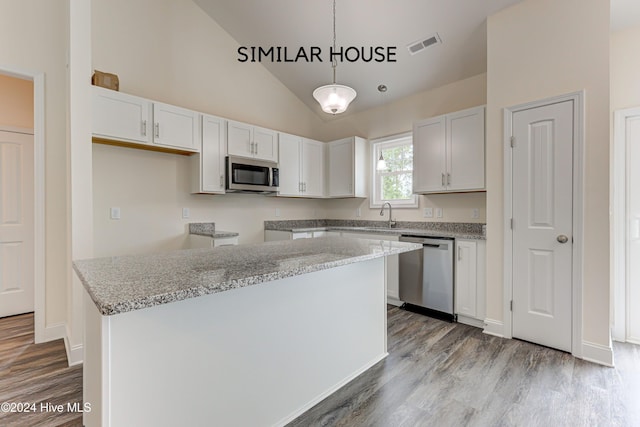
<point>334,98</point>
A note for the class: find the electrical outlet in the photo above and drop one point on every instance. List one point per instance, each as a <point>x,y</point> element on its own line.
<point>185,213</point>
<point>115,213</point>
<point>428,213</point>
<point>438,212</point>
<point>277,212</point>
<point>475,213</point>
<point>358,213</point>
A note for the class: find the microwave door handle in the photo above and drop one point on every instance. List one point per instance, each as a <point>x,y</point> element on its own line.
<point>270,177</point>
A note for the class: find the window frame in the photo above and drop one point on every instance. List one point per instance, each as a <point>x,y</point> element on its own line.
<point>383,143</point>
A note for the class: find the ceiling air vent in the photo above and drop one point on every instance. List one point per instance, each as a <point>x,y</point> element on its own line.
<point>421,45</point>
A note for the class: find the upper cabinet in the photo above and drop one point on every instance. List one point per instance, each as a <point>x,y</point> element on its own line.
<point>301,166</point>
<point>245,140</point>
<point>175,127</point>
<point>128,119</point>
<point>120,116</point>
<point>449,152</point>
<point>347,168</point>
<point>207,168</point>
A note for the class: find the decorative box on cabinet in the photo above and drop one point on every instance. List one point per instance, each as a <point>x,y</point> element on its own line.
<point>449,153</point>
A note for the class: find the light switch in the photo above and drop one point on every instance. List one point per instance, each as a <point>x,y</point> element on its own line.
<point>428,213</point>
<point>277,212</point>
<point>358,213</point>
<point>438,212</point>
<point>115,213</point>
<point>475,213</point>
<point>185,213</point>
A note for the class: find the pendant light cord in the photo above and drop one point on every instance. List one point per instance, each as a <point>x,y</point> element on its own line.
<point>334,63</point>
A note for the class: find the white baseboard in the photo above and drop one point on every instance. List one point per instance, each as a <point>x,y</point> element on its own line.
<point>493,327</point>
<point>286,420</point>
<point>596,353</point>
<point>471,321</point>
<point>54,332</point>
<point>393,301</point>
<point>75,353</point>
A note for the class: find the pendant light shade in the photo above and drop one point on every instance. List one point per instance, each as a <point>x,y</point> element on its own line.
<point>381,165</point>
<point>334,98</point>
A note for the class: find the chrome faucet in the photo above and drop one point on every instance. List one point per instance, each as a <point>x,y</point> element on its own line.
<point>392,223</point>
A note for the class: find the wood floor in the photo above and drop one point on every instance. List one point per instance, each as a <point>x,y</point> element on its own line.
<point>36,374</point>
<point>437,374</point>
<point>445,374</point>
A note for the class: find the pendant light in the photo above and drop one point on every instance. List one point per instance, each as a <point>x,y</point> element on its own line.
<point>381,165</point>
<point>334,98</point>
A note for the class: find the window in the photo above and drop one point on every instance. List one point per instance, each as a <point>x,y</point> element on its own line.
<point>395,183</point>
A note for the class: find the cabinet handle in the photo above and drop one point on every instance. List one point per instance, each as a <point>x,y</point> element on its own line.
<point>221,181</point>
<point>143,128</point>
<point>448,179</point>
<point>442,179</point>
<point>256,145</point>
<point>459,253</point>
<point>304,187</point>
<point>157,130</point>
<point>299,187</point>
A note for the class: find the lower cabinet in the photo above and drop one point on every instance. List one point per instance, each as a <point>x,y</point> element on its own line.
<point>470,287</point>
<point>197,241</point>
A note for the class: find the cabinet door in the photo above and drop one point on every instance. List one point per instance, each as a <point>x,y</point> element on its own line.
<point>175,127</point>
<point>465,150</point>
<point>466,274</point>
<point>239,139</point>
<point>341,168</point>
<point>312,168</point>
<point>120,117</point>
<point>265,144</point>
<point>429,166</point>
<point>290,184</point>
<point>212,154</point>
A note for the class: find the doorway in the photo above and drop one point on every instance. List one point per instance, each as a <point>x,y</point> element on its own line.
<point>36,171</point>
<point>543,216</point>
<point>626,226</point>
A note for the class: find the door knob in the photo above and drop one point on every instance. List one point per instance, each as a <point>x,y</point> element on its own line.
<point>562,238</point>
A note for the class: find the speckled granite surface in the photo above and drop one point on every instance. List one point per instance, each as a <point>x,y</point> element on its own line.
<point>209,229</point>
<point>126,283</point>
<point>457,230</point>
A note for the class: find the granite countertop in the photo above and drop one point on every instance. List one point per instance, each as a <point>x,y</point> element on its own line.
<point>420,229</point>
<point>127,283</point>
<point>209,229</point>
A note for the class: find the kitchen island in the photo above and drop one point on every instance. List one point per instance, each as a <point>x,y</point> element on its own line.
<point>239,335</point>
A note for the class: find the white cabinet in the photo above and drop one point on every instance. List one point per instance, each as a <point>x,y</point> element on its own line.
<point>207,167</point>
<point>301,167</point>
<point>449,152</point>
<point>123,118</point>
<point>275,235</point>
<point>176,127</point>
<point>347,168</point>
<point>196,241</point>
<point>470,281</point>
<point>245,140</point>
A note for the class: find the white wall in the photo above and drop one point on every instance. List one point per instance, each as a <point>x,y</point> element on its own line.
<point>539,49</point>
<point>625,69</point>
<point>34,39</point>
<point>16,102</point>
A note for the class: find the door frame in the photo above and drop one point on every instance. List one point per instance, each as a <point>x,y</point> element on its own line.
<point>619,221</point>
<point>40,332</point>
<point>578,209</point>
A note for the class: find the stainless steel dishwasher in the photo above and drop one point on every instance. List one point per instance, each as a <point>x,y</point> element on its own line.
<point>426,277</point>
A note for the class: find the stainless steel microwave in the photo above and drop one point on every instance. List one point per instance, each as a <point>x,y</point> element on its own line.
<point>251,175</point>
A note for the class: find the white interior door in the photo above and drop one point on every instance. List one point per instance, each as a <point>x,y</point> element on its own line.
<point>16,224</point>
<point>632,137</point>
<point>542,224</point>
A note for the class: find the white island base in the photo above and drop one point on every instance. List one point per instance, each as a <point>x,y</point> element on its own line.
<point>256,356</point>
